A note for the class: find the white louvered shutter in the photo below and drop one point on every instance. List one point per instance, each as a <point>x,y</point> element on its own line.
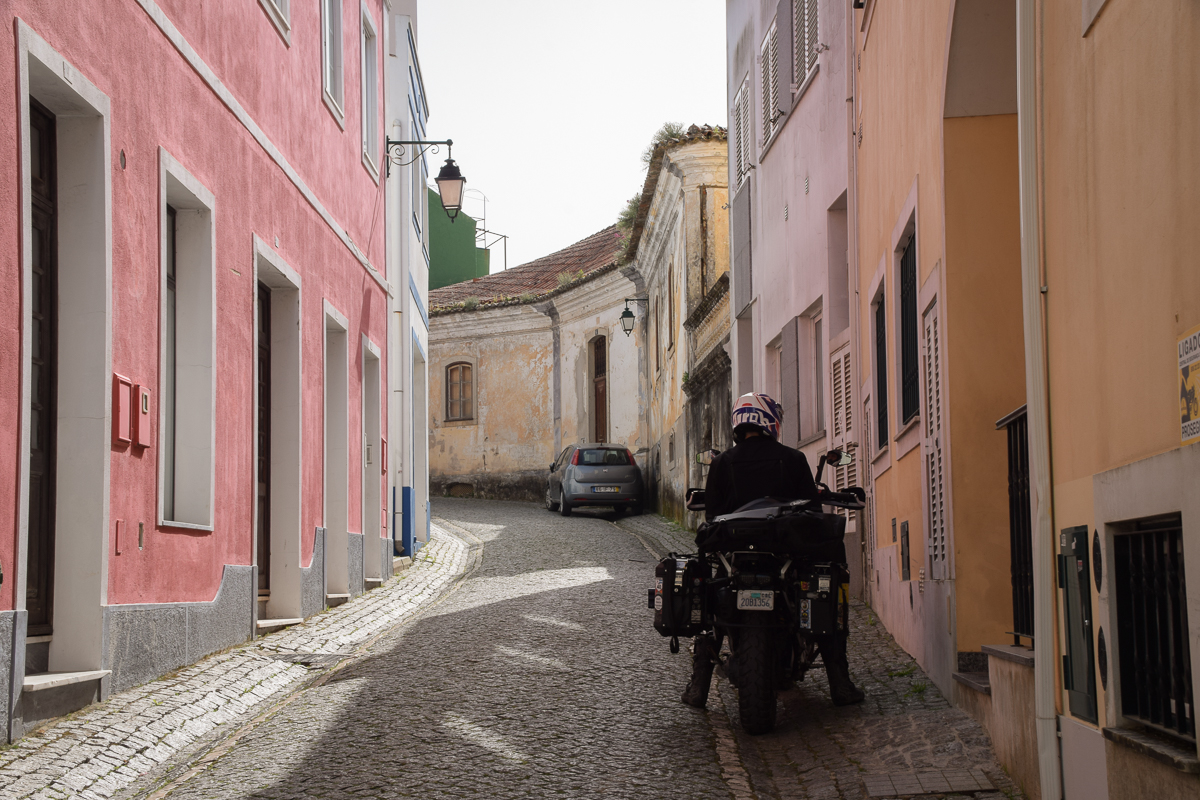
<point>770,82</point>
<point>840,381</point>
<point>934,469</point>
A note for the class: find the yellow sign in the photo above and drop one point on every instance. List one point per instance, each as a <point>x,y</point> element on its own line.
<point>1189,386</point>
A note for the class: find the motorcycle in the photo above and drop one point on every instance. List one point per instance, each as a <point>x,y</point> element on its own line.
<point>772,579</point>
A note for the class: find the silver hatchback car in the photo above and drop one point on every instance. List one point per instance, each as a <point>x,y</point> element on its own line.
<point>594,475</point>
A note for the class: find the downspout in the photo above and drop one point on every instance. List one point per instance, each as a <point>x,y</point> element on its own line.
<point>1046,719</point>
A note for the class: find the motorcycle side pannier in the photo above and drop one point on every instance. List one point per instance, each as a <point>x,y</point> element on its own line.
<point>678,599</point>
<point>822,604</point>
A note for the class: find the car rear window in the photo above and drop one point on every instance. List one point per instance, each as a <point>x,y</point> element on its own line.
<point>593,458</point>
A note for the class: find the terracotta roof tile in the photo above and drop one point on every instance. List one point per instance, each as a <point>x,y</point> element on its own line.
<point>538,277</point>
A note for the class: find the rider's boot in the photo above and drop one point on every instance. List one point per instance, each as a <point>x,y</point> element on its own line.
<point>842,690</point>
<point>703,662</point>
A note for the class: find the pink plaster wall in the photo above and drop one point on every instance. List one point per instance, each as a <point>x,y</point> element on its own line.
<point>159,100</point>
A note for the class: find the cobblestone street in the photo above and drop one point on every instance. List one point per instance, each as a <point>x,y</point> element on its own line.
<point>515,659</point>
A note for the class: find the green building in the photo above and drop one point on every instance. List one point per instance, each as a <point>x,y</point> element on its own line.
<point>453,256</point>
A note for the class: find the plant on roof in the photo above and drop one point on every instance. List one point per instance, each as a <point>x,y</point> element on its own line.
<point>628,214</point>
<point>568,277</point>
<point>470,304</point>
<point>527,297</point>
<point>669,131</point>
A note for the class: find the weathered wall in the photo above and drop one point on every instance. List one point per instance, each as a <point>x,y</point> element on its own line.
<point>533,378</point>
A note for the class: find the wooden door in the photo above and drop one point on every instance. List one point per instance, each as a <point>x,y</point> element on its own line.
<point>600,388</point>
<point>43,406</point>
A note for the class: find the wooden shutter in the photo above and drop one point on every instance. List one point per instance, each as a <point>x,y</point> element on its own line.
<point>789,382</point>
<point>841,381</point>
<point>785,74</point>
<point>934,469</point>
<point>742,267</point>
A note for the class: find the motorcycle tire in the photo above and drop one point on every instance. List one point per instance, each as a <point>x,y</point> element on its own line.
<point>550,504</point>
<point>756,684</point>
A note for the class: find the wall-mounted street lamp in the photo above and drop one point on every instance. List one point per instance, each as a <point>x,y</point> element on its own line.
<point>450,180</point>
<point>628,320</point>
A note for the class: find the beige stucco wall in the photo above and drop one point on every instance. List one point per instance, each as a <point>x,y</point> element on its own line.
<point>520,426</point>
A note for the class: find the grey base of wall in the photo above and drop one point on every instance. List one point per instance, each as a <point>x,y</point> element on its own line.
<point>312,579</point>
<point>12,667</point>
<point>147,640</point>
<point>355,563</point>
<point>385,558</point>
<point>529,485</point>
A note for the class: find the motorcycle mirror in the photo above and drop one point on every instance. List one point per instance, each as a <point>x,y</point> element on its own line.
<point>839,458</point>
<point>706,458</point>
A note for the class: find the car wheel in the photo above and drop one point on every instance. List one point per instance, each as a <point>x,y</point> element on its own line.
<point>550,504</point>
<point>564,507</point>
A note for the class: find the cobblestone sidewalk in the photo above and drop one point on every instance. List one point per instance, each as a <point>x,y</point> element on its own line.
<point>904,740</point>
<point>104,748</point>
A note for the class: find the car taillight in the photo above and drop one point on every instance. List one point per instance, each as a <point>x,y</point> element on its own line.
<point>629,455</point>
<point>575,458</point>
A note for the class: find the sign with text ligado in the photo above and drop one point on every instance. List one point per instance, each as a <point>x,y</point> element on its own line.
<point>1189,386</point>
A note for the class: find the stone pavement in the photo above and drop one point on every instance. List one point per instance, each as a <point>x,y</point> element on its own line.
<point>136,734</point>
<point>904,740</point>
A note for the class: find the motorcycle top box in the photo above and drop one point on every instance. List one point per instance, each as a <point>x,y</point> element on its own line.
<point>678,596</point>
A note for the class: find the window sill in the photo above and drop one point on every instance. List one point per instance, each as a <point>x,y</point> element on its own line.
<point>816,437</point>
<point>459,423</point>
<point>881,462</point>
<point>799,91</point>
<point>369,164</point>
<point>282,27</point>
<point>1158,748</point>
<point>167,524</point>
<point>908,437</point>
<point>334,107</point>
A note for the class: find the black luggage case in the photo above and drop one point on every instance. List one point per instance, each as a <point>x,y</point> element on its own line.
<point>678,596</point>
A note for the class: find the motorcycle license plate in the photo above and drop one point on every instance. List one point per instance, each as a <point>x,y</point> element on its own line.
<point>606,488</point>
<point>749,600</point>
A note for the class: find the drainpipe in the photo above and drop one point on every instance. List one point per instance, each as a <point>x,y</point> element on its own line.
<point>1038,413</point>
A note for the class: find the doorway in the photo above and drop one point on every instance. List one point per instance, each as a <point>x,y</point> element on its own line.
<point>372,458</point>
<point>264,445</point>
<point>43,405</point>
<point>600,389</point>
<point>336,454</point>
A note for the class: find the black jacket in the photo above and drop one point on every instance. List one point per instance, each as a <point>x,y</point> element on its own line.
<point>756,467</point>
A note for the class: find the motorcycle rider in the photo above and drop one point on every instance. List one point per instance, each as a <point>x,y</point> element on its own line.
<point>757,466</point>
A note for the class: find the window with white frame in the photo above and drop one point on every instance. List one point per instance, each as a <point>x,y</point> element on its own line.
<point>804,39</point>
<point>769,58</point>
<point>741,133</point>
<point>186,384</point>
<point>370,91</point>
<point>280,14</point>
<point>331,55</point>
<point>420,190</point>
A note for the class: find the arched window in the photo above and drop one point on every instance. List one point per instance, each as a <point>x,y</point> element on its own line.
<point>460,392</point>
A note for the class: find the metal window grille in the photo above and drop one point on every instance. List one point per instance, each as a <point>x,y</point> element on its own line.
<point>1152,625</point>
<point>910,370</point>
<point>1020,528</point>
<point>459,392</point>
<point>906,571</point>
<point>881,409</point>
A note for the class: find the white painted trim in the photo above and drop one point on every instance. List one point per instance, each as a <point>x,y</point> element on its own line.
<point>333,102</point>
<point>367,25</point>
<point>188,193</point>
<point>287,409</point>
<point>51,680</point>
<point>370,346</point>
<point>371,519</point>
<point>338,317</point>
<point>335,467</point>
<point>84,414</point>
<point>226,97</point>
<point>280,18</point>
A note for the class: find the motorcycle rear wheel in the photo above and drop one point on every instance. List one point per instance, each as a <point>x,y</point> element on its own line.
<point>756,687</point>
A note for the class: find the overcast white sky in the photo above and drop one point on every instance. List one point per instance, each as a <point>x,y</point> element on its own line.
<point>551,102</point>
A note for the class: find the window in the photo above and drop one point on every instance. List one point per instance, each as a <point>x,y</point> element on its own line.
<point>460,392</point>
<point>741,133</point>
<point>419,189</point>
<point>804,38</point>
<point>770,83</point>
<point>910,380</point>
<point>280,14</point>
<point>1152,625</point>
<point>671,306</point>
<point>818,375</point>
<point>168,376</point>
<point>881,404</point>
<point>657,339</point>
<point>331,56</point>
<point>370,93</point>
<point>186,389</point>
<point>1079,661</point>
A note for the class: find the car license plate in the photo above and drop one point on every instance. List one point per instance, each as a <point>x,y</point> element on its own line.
<point>606,488</point>
<point>755,600</point>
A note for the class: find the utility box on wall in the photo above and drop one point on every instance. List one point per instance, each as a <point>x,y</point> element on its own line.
<point>122,418</point>
<point>141,416</point>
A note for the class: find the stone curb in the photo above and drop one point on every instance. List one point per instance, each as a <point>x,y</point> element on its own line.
<point>104,749</point>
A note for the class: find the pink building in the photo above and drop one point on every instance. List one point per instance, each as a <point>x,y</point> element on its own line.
<point>193,362</point>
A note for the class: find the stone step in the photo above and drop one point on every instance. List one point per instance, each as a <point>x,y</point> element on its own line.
<point>401,563</point>
<point>335,600</point>
<point>271,625</point>
<point>372,583</point>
